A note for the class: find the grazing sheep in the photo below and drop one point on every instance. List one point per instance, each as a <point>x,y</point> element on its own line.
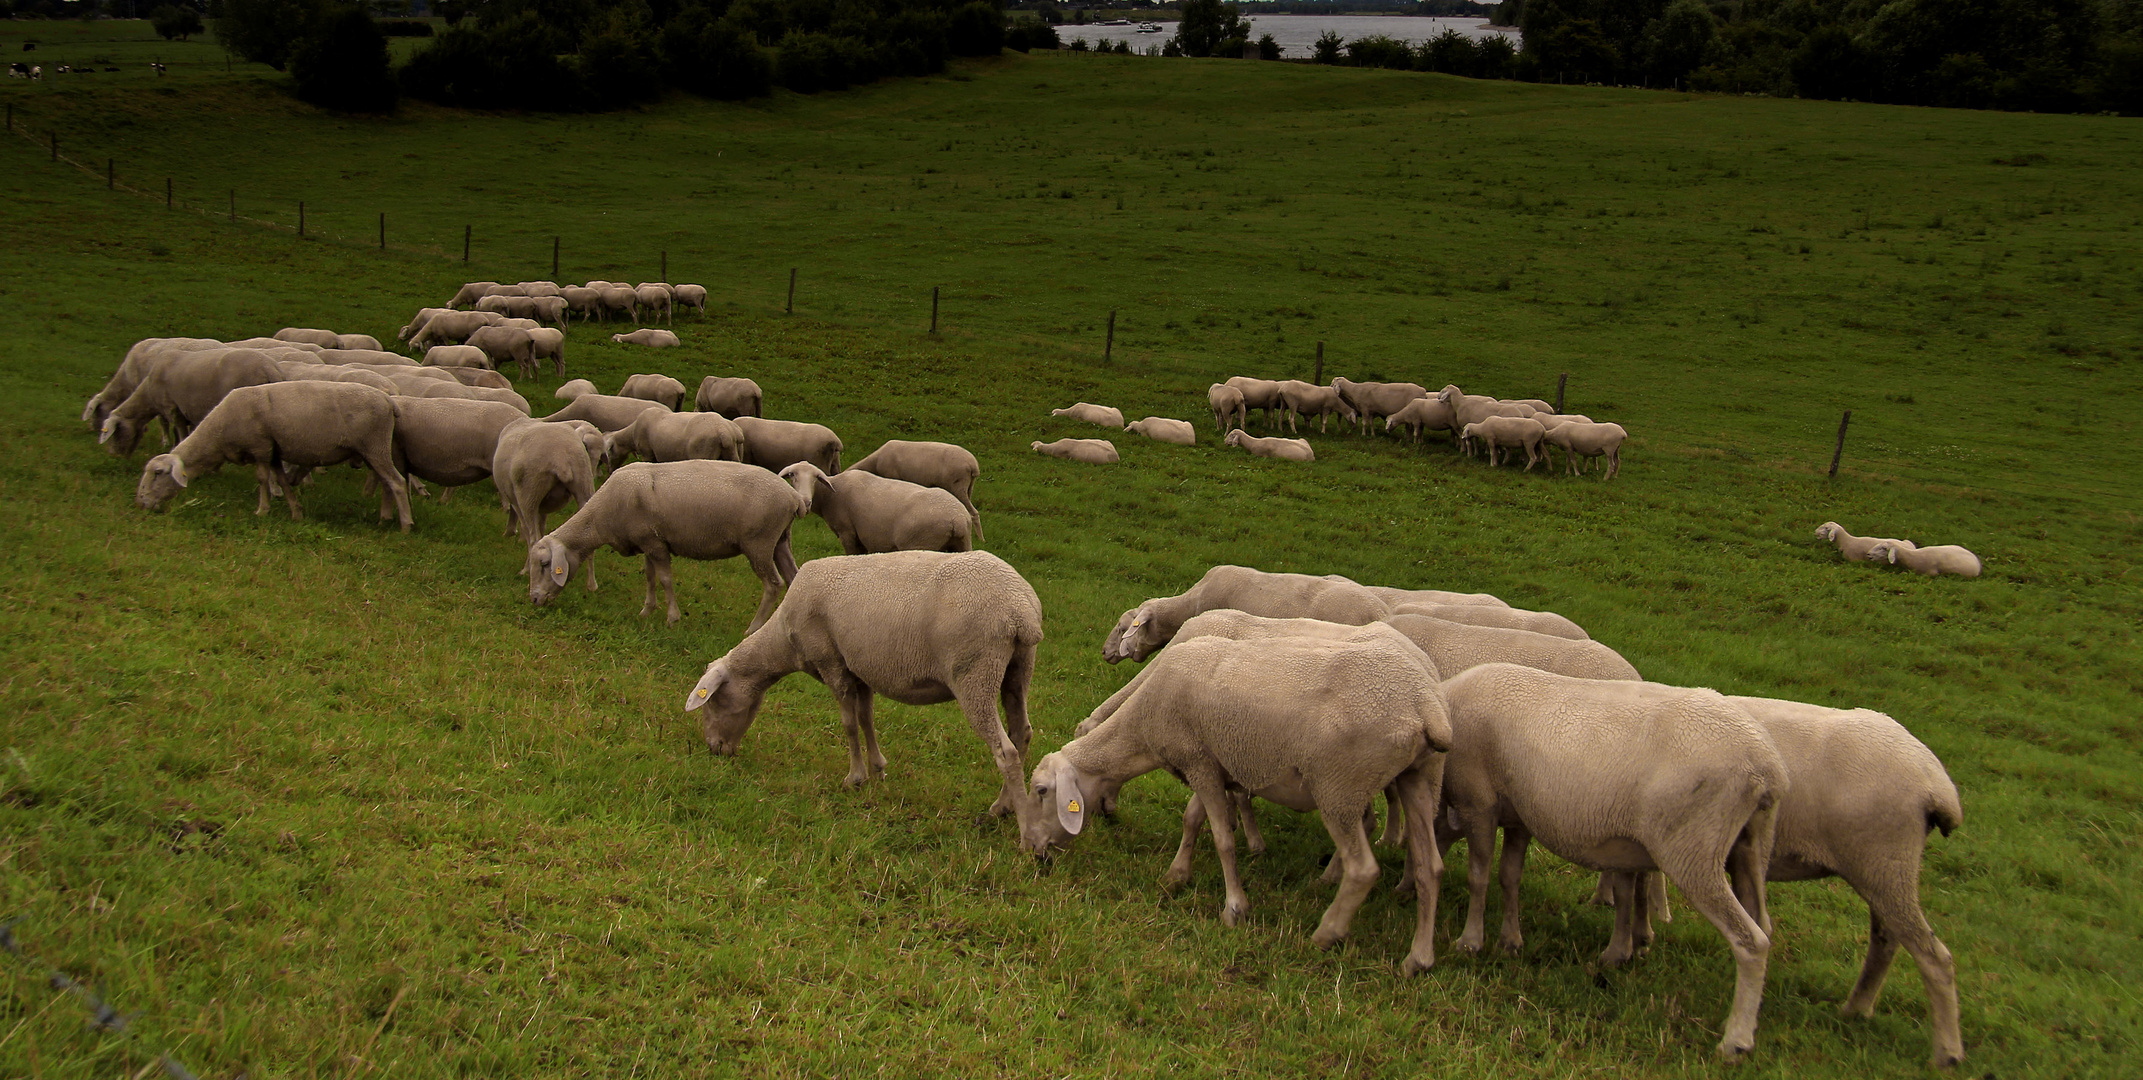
<point>285,430</point>
<point>1091,451</point>
<point>376,358</point>
<point>1228,410</point>
<point>1590,440</point>
<point>1856,548</point>
<point>326,339</point>
<point>477,376</point>
<point>1310,399</point>
<point>470,293</point>
<point>618,300</point>
<point>548,342</point>
<point>1621,777</point>
<point>605,411</point>
<point>449,441</point>
<point>653,300</point>
<point>1147,627</point>
<point>503,343</point>
<point>538,466</point>
<point>471,393</point>
<point>732,397</point>
<point>920,627</point>
<point>777,444</point>
<point>1508,618</point>
<point>1865,795</point>
<point>1507,432</point>
<point>1309,723</point>
<point>1538,406</point>
<point>582,301</point>
<point>142,357</point>
<point>653,339</point>
<point>1093,414</point>
<point>424,315</point>
<point>692,296</point>
<point>468,356</point>
<point>869,513</point>
<point>662,388</point>
<point>695,509</point>
<point>1284,449</point>
<point>1458,646</point>
<point>181,391</point>
<point>451,328</point>
<point>658,435</point>
<point>1162,429</point>
<point>1931,561</point>
<point>931,464</point>
<point>294,371</point>
<point>1473,408</point>
<point>354,342</point>
<point>1426,412</point>
<point>573,388</point>
<point>540,288</point>
<point>1258,394</point>
<point>1378,399</point>
<point>1549,420</point>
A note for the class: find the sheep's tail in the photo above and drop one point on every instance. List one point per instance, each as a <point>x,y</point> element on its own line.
<point>1944,810</point>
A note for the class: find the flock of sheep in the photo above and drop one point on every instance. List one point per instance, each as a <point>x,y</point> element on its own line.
<point>1474,421</point>
<point>1931,561</point>
<point>1316,693</point>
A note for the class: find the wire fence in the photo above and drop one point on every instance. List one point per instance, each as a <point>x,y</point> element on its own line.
<point>101,1015</point>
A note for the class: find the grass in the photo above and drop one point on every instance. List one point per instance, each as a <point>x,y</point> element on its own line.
<point>317,798</point>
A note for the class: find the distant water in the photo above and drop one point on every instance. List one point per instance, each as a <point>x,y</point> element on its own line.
<point>1297,34</point>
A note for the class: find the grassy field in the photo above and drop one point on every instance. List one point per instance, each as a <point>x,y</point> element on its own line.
<point>320,799</point>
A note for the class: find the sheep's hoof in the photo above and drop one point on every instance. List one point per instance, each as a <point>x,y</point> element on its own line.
<point>1405,887</point>
<point>1731,1052</point>
<point>853,781</point>
<point>1469,942</point>
<point>1233,912</point>
<point>1255,848</point>
<point>1947,1060</point>
<point>1411,966</point>
<point>1325,939</point>
<point>1175,877</point>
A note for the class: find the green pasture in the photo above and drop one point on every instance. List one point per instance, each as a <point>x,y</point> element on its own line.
<point>321,799</point>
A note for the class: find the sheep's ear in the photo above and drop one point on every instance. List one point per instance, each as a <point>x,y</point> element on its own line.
<point>705,690</point>
<point>111,427</point>
<point>560,569</point>
<point>178,471</point>
<point>1071,802</point>
<point>1140,618</point>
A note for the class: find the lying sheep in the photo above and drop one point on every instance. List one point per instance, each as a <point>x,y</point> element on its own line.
<point>285,430</point>
<point>605,411</point>
<point>1258,394</point>
<point>1144,629</point>
<point>181,391</point>
<point>1619,777</point>
<point>468,356</point>
<point>1931,561</point>
<point>449,441</point>
<point>1590,440</point>
<point>870,513</point>
<point>1309,723</point>
<point>777,444</point>
<point>1228,410</point>
<point>1091,451</point>
<point>1393,596</point>
<point>919,627</point>
<point>1855,548</point>
<point>653,339</point>
<point>1507,432</point>
<point>537,466</point>
<point>1093,414</point>
<point>931,464</point>
<point>1162,429</point>
<point>1458,646</point>
<point>692,296</point>
<point>1427,412</point>
<point>573,388</point>
<point>662,388</point>
<point>1371,400</point>
<point>695,509</point>
<point>1284,449</point>
<point>658,435</point>
<point>1310,399</point>
<point>732,397</point>
<point>1508,618</point>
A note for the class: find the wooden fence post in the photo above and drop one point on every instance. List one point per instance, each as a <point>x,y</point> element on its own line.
<point>466,232</point>
<point>1840,451</point>
<point>933,309</point>
<point>1560,383</point>
<point>1108,346</point>
<point>791,309</point>
<point>301,219</point>
<point>1319,379</point>
<point>554,258</point>
<point>383,230</point>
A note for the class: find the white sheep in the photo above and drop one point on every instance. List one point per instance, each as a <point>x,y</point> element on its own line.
<point>1506,432</point>
<point>777,444</point>
<point>1620,777</point>
<point>1091,451</point>
<point>1228,408</point>
<point>653,339</point>
<point>469,294</point>
<point>181,391</point>
<point>869,513</point>
<point>573,388</point>
<point>694,509</point>
<point>1144,629</point>
<point>1458,646</point>
<point>658,435</point>
<point>1258,394</point>
<point>1371,400</point>
<point>919,627</point>
<point>1590,440</point>
<point>285,430</point>
<point>1309,723</point>
<point>1394,596</point>
<point>548,342</point>
<point>449,441</point>
<point>692,296</point>
<point>1283,449</point>
<point>1162,429</point>
<point>606,411</point>
<point>1931,561</point>
<point>536,467</point>
<point>1310,399</point>
<point>1854,548</point>
<point>662,388</point>
<point>1427,412</point>
<point>1473,408</point>
<point>931,464</point>
<point>457,356</point>
<point>732,397</point>
<point>326,339</point>
<point>1508,618</point>
<point>1093,414</point>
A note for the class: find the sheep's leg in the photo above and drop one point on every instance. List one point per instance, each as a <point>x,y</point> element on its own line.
<point>1895,919</point>
<point>261,481</point>
<point>1620,889</point>
<point>1656,898</point>
<point>1253,841</point>
<point>1179,871</point>
<point>978,699</point>
<point>855,699</point>
<point>1350,849</point>
<point>1418,792</point>
<point>1515,840</point>
<point>1696,873</point>
<point>1614,469</point>
<point>381,462</point>
<point>1220,815</point>
<point>767,564</point>
<point>1394,817</point>
<point>290,494</point>
<point>1603,894</point>
<point>1480,851</point>
<point>1012,697</point>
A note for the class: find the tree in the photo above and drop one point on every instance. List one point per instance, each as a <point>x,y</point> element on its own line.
<point>977,29</point>
<point>1268,49</point>
<point>342,63</point>
<point>1674,43</point>
<point>714,58</point>
<point>1210,27</point>
<point>1327,50</point>
<point>265,31</point>
<point>172,21</point>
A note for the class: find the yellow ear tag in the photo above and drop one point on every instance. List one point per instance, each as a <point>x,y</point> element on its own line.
<point>558,572</point>
<point>700,692</point>
<point>1072,806</point>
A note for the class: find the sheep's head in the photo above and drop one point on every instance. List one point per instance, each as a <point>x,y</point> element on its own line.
<point>1136,636</point>
<point>161,478</point>
<point>1058,790</point>
<point>120,435</point>
<point>550,565</point>
<point>1829,530</point>
<point>726,706</point>
<point>805,478</point>
<point>1037,446</point>
<point>1235,437</point>
<point>1881,553</point>
<point>1449,395</point>
<point>1467,431</point>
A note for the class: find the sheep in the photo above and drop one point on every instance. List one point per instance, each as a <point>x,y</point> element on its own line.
<point>140,359</point>
<point>662,388</point>
<point>1258,394</point>
<point>468,356</point>
<point>1228,410</point>
<point>1393,597</point>
<point>1091,451</point>
<point>1310,399</point>
<point>1855,548</point>
<point>266,344</point>
<point>285,430</point>
<point>300,372</point>
<point>1374,399</point>
<point>1931,561</point>
<point>1309,723</point>
<point>732,397</point>
<point>1507,432</point>
<point>471,393</point>
<point>521,307</point>
<point>448,441</point>
<point>326,339</point>
<point>1508,618</point>
<point>692,296</point>
<point>658,435</point>
<point>470,293</point>
<point>1458,646</point>
<point>1590,440</point>
<point>1473,408</point>
<point>583,301</point>
<point>1162,429</point>
<point>1144,629</point>
<point>869,513</point>
<point>573,388</point>
<point>1538,406</point>
<point>476,376</point>
<point>605,411</point>
<point>548,342</point>
<point>409,373</point>
<point>1093,414</point>
<point>653,339</point>
<point>920,627</point>
<point>1284,449</point>
<point>536,467</point>
<point>503,343</point>
<point>618,300</point>
<point>181,391</point>
<point>696,509</point>
<point>424,315</point>
<point>777,444</point>
<point>1427,412</point>
<point>1621,777</point>
<point>653,299</point>
<point>1864,796</point>
<point>540,288</point>
<point>931,464</point>
<point>355,342</point>
<point>451,328</point>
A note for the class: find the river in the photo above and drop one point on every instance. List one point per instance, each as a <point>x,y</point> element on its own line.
<point>1298,34</point>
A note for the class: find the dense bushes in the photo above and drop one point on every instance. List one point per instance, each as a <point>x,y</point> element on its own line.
<point>1451,53</point>
<point>342,63</point>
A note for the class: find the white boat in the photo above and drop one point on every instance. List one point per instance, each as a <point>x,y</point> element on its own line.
<point>1149,28</point>
<point>1115,22</point>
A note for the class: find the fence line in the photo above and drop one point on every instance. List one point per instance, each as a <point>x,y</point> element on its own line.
<point>103,1015</point>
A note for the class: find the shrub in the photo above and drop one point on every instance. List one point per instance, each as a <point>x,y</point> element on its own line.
<point>405,27</point>
<point>1268,49</point>
<point>509,66</point>
<point>342,64</point>
<point>173,21</point>
<point>1380,51</point>
<point>1328,48</point>
<point>1025,35</point>
<point>810,62</point>
<point>714,58</point>
<point>265,31</point>
<point>618,67</point>
<point>976,29</point>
